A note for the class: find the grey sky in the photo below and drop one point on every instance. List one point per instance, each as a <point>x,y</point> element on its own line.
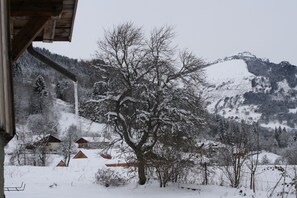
<point>212,29</point>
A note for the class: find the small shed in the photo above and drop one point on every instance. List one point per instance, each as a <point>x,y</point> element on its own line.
<point>92,142</point>
<point>61,164</point>
<point>79,155</point>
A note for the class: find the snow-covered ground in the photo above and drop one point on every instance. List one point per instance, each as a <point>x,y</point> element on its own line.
<point>275,124</point>
<point>78,180</point>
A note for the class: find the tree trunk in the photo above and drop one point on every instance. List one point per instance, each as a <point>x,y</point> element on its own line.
<point>18,157</point>
<point>25,158</point>
<point>205,174</point>
<point>295,189</point>
<point>43,156</point>
<point>254,184</point>
<point>67,157</point>
<point>67,161</point>
<point>252,181</point>
<point>237,173</point>
<point>141,171</point>
<point>34,157</point>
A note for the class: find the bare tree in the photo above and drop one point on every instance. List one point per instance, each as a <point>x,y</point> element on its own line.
<point>150,89</point>
<point>67,147</point>
<point>234,154</point>
<point>171,157</point>
<point>19,153</point>
<point>253,156</point>
<point>290,154</point>
<point>232,160</point>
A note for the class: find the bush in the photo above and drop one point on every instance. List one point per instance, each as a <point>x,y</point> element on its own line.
<point>265,160</point>
<point>108,177</point>
<point>290,155</point>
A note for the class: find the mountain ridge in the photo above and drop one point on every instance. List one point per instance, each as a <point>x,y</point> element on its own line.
<point>269,95</point>
<point>266,91</point>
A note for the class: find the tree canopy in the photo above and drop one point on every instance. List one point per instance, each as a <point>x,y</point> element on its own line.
<point>150,89</point>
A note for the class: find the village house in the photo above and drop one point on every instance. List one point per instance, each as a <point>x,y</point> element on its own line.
<point>92,142</point>
<point>50,142</point>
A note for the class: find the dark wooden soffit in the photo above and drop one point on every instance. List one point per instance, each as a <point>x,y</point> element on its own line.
<point>40,20</point>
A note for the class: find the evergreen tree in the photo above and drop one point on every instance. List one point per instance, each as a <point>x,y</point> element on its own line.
<point>39,86</point>
<point>39,97</point>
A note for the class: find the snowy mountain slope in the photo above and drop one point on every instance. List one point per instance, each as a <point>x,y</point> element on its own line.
<point>244,87</point>
<point>227,81</point>
<point>85,126</point>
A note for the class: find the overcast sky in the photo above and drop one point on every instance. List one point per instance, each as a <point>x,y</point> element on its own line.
<point>212,29</point>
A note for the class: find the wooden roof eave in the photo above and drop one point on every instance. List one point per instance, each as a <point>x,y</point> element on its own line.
<point>73,19</point>
<point>36,20</point>
<point>35,8</point>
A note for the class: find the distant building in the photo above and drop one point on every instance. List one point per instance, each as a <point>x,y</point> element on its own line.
<point>92,142</point>
<point>61,164</point>
<point>79,155</point>
<point>51,143</point>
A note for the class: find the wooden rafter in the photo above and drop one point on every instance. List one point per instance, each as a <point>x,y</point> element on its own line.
<point>58,28</point>
<point>51,63</point>
<point>27,34</point>
<point>49,30</point>
<point>36,7</point>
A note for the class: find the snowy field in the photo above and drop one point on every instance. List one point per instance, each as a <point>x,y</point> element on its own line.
<point>78,180</point>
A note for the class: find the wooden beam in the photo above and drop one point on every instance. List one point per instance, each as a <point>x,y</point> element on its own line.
<point>26,36</point>
<point>49,31</point>
<point>51,63</point>
<point>36,7</point>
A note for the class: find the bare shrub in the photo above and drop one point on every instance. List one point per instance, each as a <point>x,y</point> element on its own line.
<point>265,160</point>
<point>108,177</point>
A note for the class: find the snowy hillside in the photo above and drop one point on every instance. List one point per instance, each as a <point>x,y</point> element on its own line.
<point>241,86</point>
<point>85,126</point>
<point>227,81</point>
<point>244,87</point>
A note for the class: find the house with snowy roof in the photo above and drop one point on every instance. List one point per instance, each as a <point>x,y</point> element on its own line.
<point>50,142</point>
<point>92,142</point>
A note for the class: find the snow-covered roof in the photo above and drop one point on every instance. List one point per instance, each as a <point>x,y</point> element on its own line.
<point>48,137</point>
<point>96,139</point>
